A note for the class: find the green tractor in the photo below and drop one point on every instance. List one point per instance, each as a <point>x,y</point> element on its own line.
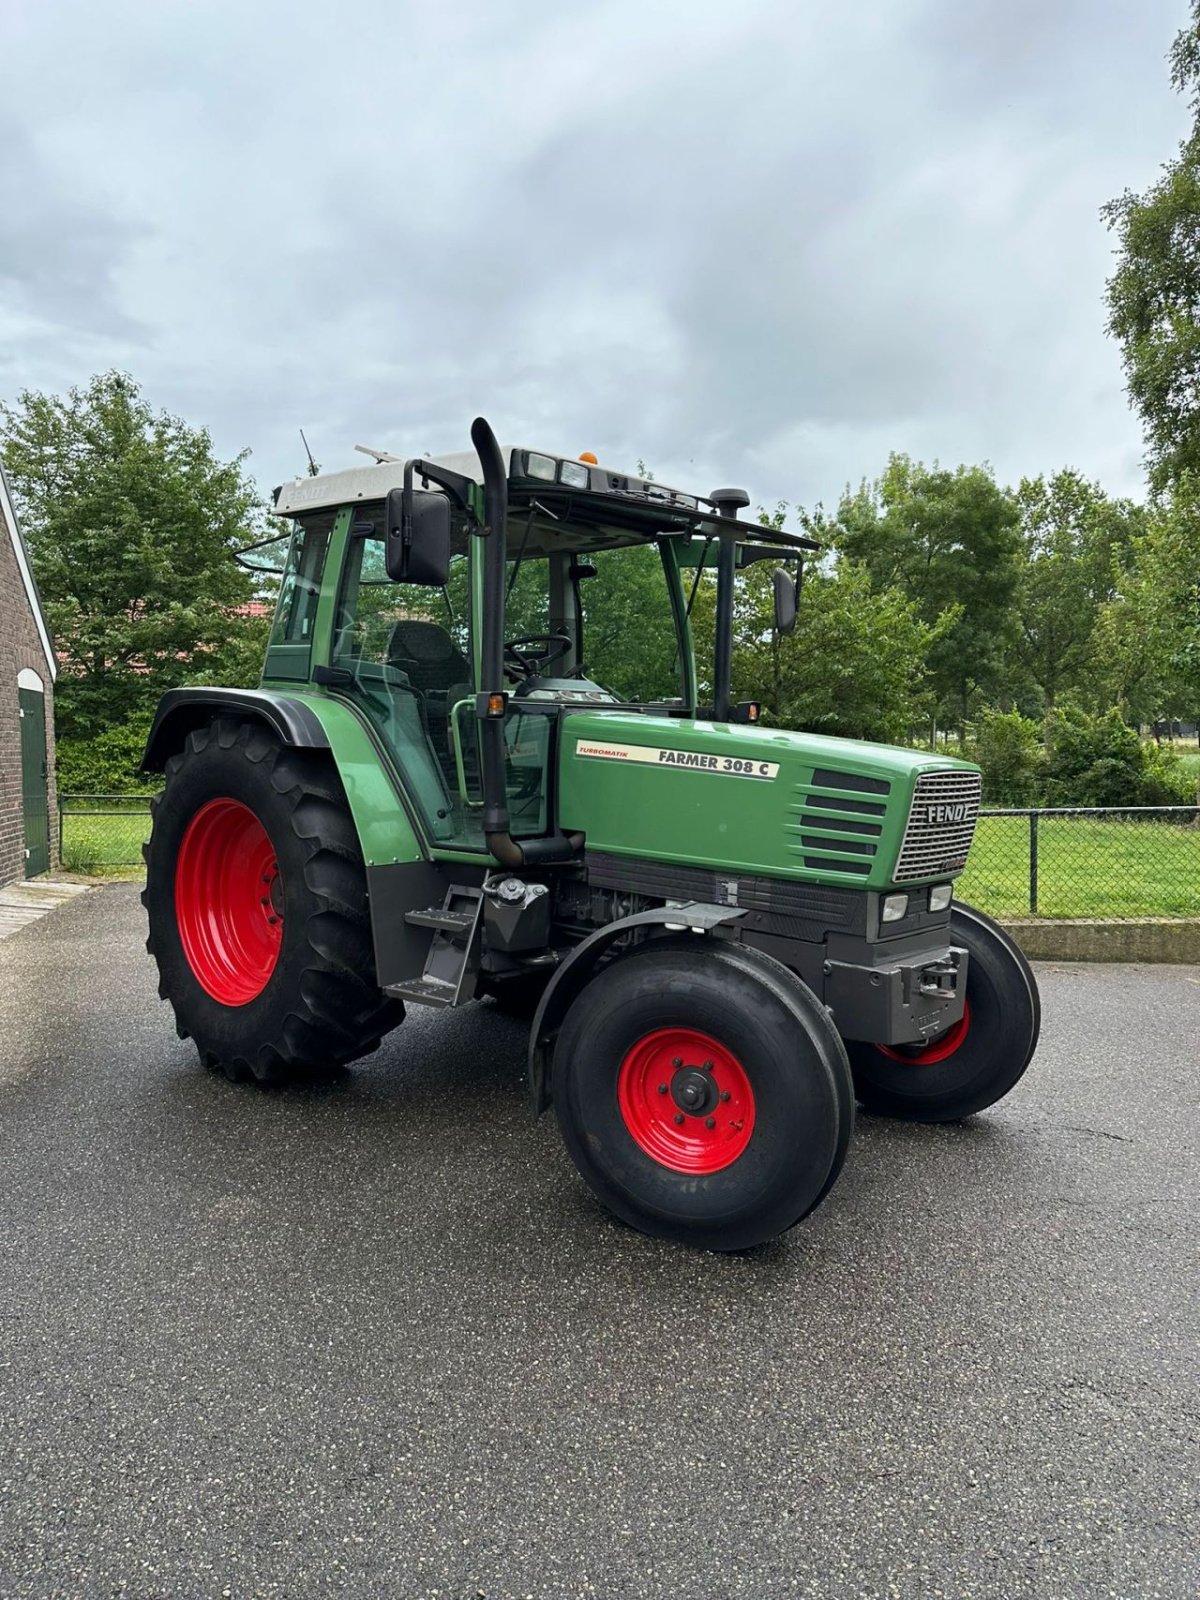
<point>447,789</point>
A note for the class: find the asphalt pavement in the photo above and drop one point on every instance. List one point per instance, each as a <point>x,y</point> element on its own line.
<point>377,1339</point>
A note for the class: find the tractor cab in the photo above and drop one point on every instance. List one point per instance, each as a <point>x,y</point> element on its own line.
<point>399,594</point>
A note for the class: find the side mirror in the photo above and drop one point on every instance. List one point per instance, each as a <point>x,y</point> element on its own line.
<point>786,593</point>
<point>417,538</point>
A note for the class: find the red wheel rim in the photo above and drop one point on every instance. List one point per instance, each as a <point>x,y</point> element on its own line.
<point>686,1100</point>
<point>228,902</point>
<point>927,1055</point>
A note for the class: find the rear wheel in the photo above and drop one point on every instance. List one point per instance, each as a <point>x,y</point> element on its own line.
<point>703,1093</point>
<point>257,902</point>
<point>978,1060</point>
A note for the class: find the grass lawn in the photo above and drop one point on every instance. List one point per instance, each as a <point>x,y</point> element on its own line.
<point>97,837</point>
<point>1085,868</point>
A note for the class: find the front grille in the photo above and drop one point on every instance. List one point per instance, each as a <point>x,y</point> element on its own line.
<point>941,825</point>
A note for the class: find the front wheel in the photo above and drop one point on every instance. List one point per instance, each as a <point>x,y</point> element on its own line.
<point>978,1060</point>
<point>703,1093</point>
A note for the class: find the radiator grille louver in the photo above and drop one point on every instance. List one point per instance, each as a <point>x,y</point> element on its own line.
<point>941,825</point>
<point>835,830</point>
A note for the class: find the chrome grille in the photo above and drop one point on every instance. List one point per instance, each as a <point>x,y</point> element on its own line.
<point>941,825</point>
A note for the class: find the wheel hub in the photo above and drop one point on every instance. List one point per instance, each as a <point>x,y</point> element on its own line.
<point>686,1100</point>
<point>694,1091</point>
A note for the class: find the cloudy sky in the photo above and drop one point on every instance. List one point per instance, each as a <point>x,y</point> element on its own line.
<point>753,241</point>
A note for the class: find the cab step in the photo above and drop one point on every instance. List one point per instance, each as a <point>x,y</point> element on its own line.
<point>440,917</point>
<point>452,964</point>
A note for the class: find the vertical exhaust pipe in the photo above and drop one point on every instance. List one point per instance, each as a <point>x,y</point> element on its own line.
<point>728,503</point>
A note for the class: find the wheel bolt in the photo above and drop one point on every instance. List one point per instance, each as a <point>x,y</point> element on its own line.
<point>272,920</point>
<point>708,1066</point>
<point>710,1122</point>
<point>662,1088</point>
<point>679,1119</point>
<point>724,1094</point>
<point>678,1061</point>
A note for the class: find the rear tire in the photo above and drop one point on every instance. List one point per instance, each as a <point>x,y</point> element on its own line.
<point>703,1093</point>
<point>978,1061</point>
<point>256,896</point>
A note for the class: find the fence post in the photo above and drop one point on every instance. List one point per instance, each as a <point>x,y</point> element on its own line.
<point>1033,863</point>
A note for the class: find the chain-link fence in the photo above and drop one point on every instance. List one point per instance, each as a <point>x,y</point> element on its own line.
<point>96,831</point>
<point>1138,861</point>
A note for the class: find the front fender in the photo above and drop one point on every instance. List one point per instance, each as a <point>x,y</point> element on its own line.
<point>573,973</point>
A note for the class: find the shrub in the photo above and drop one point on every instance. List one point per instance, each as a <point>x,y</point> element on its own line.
<point>1100,761</point>
<point>108,763</point>
<point>1008,749</point>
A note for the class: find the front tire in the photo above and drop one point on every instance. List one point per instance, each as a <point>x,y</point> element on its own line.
<point>703,1093</point>
<point>978,1060</point>
<point>256,896</point>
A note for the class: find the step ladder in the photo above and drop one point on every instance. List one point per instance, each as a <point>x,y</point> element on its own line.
<point>453,960</point>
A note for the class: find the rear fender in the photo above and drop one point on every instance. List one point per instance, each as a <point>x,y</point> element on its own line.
<point>181,711</point>
<point>386,832</point>
<point>575,972</point>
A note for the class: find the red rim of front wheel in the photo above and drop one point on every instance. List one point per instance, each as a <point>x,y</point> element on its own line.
<point>686,1100</point>
<point>927,1055</point>
<point>228,902</point>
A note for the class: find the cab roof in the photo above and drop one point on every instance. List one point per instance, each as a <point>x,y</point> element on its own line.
<point>554,492</point>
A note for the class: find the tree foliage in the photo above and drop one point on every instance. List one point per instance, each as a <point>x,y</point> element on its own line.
<point>1154,294</point>
<point>946,539</point>
<point>131,522</point>
<point>855,665</point>
<point>1078,547</point>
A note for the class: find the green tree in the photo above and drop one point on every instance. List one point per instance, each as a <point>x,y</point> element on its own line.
<point>1154,295</point>
<point>855,665</point>
<point>947,539</point>
<point>132,522</point>
<point>1078,544</point>
<point>1150,630</point>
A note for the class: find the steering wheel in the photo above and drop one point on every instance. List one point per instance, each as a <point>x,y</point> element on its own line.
<point>534,666</point>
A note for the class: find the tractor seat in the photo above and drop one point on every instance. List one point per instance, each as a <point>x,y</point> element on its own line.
<point>429,655</point>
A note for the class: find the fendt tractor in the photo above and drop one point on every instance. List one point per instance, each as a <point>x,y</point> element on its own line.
<point>448,789</point>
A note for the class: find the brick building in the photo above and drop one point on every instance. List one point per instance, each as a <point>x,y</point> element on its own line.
<point>27,673</point>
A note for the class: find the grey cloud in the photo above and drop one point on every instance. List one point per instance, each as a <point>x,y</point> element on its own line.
<point>772,242</point>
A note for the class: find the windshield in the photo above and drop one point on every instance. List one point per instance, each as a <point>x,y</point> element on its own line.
<point>628,644</point>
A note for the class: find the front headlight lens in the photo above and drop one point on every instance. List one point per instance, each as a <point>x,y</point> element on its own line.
<point>894,907</point>
<point>941,896</point>
<point>574,474</point>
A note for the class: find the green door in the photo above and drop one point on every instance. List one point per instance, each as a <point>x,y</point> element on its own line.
<point>34,797</point>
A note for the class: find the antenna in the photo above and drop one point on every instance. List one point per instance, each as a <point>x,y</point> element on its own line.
<point>313,468</point>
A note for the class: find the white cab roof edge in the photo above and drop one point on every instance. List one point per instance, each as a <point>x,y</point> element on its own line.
<point>370,482</point>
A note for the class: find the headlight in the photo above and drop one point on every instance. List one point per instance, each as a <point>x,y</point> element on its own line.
<point>941,896</point>
<point>574,474</point>
<point>541,467</point>
<point>894,907</point>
